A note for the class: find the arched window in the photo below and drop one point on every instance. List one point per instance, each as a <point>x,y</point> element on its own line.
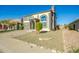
<point>43,17</point>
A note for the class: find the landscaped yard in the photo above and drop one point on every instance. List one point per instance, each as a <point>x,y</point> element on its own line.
<point>49,40</point>
<point>71,39</point>
<point>56,41</point>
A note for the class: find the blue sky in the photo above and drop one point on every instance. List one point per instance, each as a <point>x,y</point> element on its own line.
<point>64,13</point>
<point>67,13</point>
<point>18,11</point>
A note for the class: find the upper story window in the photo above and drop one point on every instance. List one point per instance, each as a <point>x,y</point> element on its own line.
<point>43,17</point>
<point>30,17</point>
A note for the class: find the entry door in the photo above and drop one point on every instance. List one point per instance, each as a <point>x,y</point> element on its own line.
<point>32,25</point>
<point>74,26</point>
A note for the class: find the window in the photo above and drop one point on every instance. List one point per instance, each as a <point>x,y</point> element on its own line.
<point>30,18</point>
<point>43,18</point>
<point>44,24</point>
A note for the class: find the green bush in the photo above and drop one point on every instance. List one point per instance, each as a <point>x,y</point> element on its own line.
<point>21,27</point>
<point>73,50</point>
<point>17,26</point>
<point>76,50</point>
<point>38,26</point>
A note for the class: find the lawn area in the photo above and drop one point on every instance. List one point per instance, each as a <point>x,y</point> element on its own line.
<point>51,40</point>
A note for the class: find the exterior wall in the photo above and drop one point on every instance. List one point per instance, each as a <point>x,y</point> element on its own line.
<point>27,25</point>
<point>35,16</point>
<point>74,26</point>
<point>38,16</point>
<point>77,26</point>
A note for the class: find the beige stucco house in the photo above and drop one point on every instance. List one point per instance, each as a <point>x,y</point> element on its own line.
<point>47,18</point>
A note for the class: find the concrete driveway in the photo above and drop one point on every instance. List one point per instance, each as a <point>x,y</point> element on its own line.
<point>11,45</point>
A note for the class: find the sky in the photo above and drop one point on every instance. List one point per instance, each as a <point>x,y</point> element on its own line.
<point>18,11</point>
<point>65,13</point>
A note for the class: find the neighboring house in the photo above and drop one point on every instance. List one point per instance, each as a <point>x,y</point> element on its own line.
<point>10,24</point>
<point>3,26</point>
<point>47,18</point>
<point>74,25</point>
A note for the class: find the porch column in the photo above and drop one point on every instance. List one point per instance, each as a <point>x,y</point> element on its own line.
<point>35,24</point>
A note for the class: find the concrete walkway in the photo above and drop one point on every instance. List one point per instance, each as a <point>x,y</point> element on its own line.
<point>10,45</point>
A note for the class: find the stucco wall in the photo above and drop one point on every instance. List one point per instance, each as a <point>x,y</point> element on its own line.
<point>26,19</point>
<point>77,26</point>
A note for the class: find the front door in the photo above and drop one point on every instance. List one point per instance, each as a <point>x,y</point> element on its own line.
<point>32,24</point>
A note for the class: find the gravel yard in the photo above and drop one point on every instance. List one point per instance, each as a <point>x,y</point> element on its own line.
<point>53,41</point>
<point>49,40</point>
<point>9,44</point>
<point>71,40</point>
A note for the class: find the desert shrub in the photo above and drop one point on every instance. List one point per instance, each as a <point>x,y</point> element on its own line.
<point>38,26</point>
<point>73,50</point>
<point>22,26</point>
<point>76,50</point>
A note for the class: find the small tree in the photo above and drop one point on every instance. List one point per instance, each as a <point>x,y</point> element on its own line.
<point>22,26</point>
<point>38,26</point>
